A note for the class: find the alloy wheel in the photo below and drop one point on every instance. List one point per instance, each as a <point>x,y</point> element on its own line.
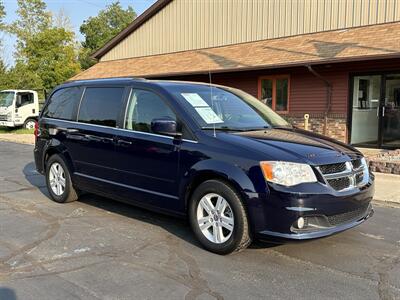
<point>57,179</point>
<point>215,218</point>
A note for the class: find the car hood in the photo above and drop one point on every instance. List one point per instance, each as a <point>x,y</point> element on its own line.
<point>298,145</point>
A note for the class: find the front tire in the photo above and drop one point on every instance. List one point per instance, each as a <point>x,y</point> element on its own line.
<point>29,124</point>
<point>58,180</point>
<point>218,218</point>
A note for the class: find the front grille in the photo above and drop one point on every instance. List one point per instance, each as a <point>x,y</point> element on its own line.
<point>359,177</point>
<point>339,183</point>
<point>356,163</point>
<point>3,117</point>
<point>346,217</point>
<point>345,175</point>
<point>333,168</point>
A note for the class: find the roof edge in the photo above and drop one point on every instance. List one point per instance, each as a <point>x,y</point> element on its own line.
<point>254,68</point>
<point>277,66</point>
<point>141,19</point>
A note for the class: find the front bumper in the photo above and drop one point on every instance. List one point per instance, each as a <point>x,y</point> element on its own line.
<point>321,232</point>
<point>324,214</point>
<point>7,124</point>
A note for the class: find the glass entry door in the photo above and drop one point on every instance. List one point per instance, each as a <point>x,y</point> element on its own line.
<point>391,112</point>
<point>375,118</point>
<point>365,110</point>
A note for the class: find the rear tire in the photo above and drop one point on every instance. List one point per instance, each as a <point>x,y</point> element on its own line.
<point>218,218</point>
<point>58,180</point>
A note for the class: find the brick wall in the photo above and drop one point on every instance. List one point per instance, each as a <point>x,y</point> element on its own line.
<point>336,125</point>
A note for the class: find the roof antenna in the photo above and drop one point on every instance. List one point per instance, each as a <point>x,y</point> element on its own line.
<point>212,100</point>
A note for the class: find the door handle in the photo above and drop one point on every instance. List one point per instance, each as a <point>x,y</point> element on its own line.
<point>71,130</point>
<point>124,143</point>
<point>383,111</point>
<point>107,140</point>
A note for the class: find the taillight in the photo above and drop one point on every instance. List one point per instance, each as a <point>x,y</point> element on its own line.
<point>36,131</point>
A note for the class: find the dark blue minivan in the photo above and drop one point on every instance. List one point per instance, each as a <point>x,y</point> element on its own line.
<point>213,154</point>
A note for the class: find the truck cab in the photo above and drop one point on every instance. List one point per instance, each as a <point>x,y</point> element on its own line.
<point>19,108</point>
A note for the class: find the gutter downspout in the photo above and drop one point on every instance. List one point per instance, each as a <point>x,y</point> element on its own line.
<point>328,96</point>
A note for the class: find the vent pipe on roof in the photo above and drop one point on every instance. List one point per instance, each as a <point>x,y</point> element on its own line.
<point>328,96</point>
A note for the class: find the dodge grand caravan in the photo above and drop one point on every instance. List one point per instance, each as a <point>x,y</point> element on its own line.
<point>213,154</point>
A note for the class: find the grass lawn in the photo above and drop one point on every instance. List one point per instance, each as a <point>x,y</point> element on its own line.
<point>16,131</point>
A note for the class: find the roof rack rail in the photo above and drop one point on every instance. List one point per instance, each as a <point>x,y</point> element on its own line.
<point>107,78</point>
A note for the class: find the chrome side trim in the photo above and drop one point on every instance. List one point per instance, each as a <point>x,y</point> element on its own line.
<point>126,186</point>
<point>300,209</point>
<point>121,129</point>
<point>79,107</point>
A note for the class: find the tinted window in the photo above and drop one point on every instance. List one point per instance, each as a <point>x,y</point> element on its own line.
<point>101,106</point>
<point>26,98</point>
<point>144,107</point>
<point>63,104</point>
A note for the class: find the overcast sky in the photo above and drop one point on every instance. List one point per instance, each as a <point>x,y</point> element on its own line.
<point>76,10</point>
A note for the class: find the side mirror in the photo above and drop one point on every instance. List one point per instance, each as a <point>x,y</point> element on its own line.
<point>164,126</point>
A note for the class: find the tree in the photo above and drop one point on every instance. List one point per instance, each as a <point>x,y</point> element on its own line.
<point>100,29</point>
<point>51,54</point>
<point>3,76</point>
<point>2,15</point>
<point>46,53</point>
<point>32,19</point>
<point>3,69</point>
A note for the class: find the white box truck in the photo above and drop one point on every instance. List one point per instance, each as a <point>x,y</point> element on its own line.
<point>19,108</point>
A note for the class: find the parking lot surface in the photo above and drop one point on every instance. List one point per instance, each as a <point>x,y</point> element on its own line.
<point>97,248</point>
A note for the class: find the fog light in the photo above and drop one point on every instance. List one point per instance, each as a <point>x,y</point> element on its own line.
<point>300,223</point>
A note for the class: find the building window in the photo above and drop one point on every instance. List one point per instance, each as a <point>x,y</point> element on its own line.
<point>274,91</point>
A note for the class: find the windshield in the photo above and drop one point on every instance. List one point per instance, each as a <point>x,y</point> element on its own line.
<point>225,108</point>
<point>6,98</point>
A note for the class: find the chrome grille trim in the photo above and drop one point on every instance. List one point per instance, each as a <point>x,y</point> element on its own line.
<point>355,174</point>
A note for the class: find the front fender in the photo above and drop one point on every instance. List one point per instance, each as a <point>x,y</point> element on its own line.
<point>219,169</point>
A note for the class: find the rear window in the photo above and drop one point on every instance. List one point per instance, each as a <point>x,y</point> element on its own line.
<point>63,104</point>
<point>101,106</point>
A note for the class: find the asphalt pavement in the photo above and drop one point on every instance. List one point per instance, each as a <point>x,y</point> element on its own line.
<point>97,248</point>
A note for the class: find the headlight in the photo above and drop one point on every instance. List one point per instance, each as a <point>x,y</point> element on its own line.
<point>287,173</point>
<point>9,116</point>
<point>365,167</point>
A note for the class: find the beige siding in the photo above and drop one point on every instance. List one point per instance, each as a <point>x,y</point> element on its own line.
<point>195,24</point>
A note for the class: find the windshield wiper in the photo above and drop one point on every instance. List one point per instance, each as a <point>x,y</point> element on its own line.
<point>222,128</point>
<point>283,127</point>
<point>225,128</point>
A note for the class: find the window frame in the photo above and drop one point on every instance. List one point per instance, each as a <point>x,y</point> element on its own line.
<point>75,110</point>
<point>125,94</point>
<point>179,119</point>
<point>21,94</point>
<point>274,78</point>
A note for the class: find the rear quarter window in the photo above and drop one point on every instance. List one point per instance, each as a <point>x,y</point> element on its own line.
<point>63,104</point>
<point>101,106</point>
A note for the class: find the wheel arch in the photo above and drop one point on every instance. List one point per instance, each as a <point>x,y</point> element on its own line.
<point>55,147</point>
<point>211,169</point>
